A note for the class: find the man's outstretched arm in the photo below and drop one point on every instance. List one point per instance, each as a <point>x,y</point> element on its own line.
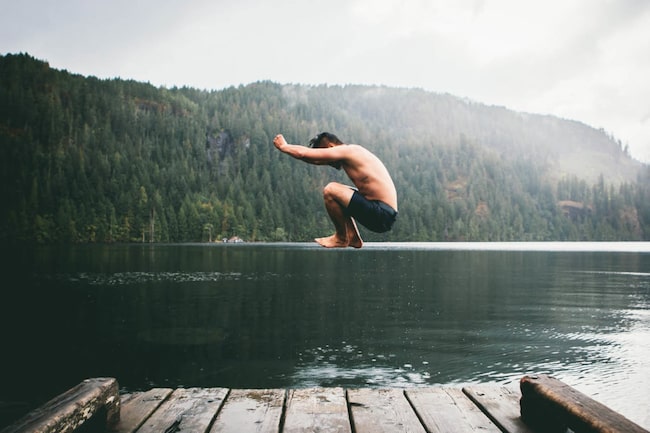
<point>318,156</point>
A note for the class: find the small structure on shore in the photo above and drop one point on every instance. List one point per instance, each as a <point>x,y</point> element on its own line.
<point>232,240</point>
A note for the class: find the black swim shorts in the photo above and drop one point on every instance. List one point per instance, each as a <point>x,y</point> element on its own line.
<point>375,215</point>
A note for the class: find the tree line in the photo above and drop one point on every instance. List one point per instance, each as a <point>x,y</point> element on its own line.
<point>90,160</point>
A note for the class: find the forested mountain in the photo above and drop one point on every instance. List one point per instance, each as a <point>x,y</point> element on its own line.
<point>89,160</point>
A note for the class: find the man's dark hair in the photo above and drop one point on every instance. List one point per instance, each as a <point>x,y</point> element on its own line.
<point>318,141</point>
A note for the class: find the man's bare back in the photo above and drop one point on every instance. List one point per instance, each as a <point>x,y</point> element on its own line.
<point>376,191</point>
<point>369,175</point>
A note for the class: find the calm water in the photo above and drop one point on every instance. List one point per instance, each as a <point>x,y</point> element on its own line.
<point>297,315</point>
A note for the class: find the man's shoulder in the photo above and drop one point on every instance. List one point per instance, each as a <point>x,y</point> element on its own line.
<point>353,152</point>
<point>356,148</point>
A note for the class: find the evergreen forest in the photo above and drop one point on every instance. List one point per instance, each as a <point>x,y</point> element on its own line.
<point>87,160</point>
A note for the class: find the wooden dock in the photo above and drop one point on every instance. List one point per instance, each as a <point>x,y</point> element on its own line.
<point>322,410</point>
<point>546,403</point>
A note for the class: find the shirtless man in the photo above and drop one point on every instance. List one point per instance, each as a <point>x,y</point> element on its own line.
<point>374,201</point>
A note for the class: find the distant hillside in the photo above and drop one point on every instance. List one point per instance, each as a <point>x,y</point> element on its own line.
<point>89,160</point>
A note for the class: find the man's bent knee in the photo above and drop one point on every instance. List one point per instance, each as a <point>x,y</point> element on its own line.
<point>330,189</point>
<point>337,191</point>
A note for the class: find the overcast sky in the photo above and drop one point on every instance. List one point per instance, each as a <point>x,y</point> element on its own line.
<point>586,60</point>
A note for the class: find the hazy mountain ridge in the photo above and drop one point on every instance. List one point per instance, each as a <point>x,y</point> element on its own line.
<point>567,147</point>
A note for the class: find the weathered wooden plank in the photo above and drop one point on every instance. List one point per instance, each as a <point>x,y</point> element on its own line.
<point>382,410</point>
<point>500,404</point>
<point>66,412</point>
<point>186,410</point>
<point>448,410</point>
<point>316,410</point>
<point>139,406</point>
<point>252,410</point>
<point>545,398</point>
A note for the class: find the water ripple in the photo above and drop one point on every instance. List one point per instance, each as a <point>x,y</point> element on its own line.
<point>128,278</point>
<point>349,365</point>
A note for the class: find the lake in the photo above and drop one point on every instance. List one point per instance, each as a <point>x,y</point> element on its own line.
<point>297,315</point>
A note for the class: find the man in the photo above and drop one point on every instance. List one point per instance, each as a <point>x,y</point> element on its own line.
<point>374,201</point>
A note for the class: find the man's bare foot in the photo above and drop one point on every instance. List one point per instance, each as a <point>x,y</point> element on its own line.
<point>354,238</point>
<point>332,242</point>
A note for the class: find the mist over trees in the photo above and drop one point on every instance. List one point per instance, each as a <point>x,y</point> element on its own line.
<point>89,160</point>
